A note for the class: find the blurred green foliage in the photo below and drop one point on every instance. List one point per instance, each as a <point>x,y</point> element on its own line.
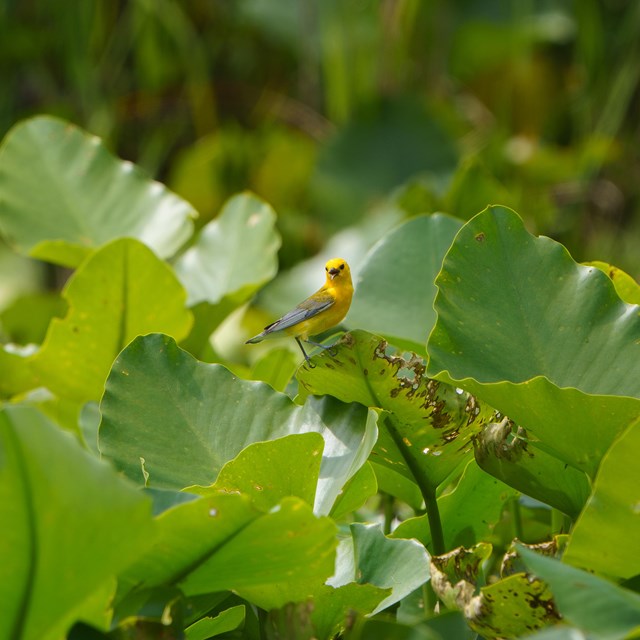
<point>324,108</point>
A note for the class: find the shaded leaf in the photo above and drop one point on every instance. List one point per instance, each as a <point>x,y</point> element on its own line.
<point>530,470</point>
<point>276,368</point>
<point>26,320</point>
<point>596,606</point>
<point>64,195</point>
<point>356,492</point>
<point>373,558</point>
<point>120,292</point>
<point>395,288</point>
<point>333,608</point>
<point>468,513</point>
<point>604,539</point>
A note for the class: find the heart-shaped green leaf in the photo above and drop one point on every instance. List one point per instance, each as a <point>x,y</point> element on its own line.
<point>120,292</point>
<point>64,194</point>
<point>157,396</point>
<point>543,339</point>
<point>234,254</point>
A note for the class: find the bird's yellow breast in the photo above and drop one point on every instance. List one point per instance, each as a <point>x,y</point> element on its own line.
<point>341,294</point>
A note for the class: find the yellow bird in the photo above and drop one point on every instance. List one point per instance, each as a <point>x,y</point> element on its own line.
<point>319,312</point>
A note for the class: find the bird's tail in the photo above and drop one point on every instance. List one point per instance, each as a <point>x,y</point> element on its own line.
<point>256,339</point>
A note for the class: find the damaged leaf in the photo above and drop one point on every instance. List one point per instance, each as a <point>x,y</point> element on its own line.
<point>428,424</point>
<point>507,608</point>
<point>513,459</point>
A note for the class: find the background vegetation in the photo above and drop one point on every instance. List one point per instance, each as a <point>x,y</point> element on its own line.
<point>488,388</point>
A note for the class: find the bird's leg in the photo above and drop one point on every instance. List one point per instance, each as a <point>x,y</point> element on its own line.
<point>304,353</point>
<point>333,352</point>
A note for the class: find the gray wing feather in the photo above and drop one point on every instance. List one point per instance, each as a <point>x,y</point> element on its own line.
<point>303,311</point>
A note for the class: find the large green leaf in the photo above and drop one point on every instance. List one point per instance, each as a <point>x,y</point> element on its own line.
<point>541,338</point>
<point>427,425</point>
<point>269,558</point>
<point>120,292</point>
<point>469,512</point>
<point>233,255</point>
<point>605,537</point>
<point>600,608</point>
<point>395,289</point>
<point>70,524</point>
<point>370,557</point>
<point>64,194</point>
<point>186,419</point>
<point>270,471</point>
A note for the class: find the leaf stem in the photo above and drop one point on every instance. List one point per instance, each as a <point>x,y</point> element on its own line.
<point>428,492</point>
<point>389,511</point>
<point>517,518</point>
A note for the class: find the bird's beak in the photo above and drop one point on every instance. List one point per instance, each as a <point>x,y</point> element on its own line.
<point>333,273</point>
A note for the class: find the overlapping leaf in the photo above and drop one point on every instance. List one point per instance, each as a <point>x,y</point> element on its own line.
<point>64,194</point>
<point>121,291</point>
<point>233,255</point>
<point>395,289</point>
<point>267,557</point>
<point>603,610</point>
<point>70,524</point>
<point>541,338</point>
<point>179,420</point>
<point>373,558</point>
<point>605,536</point>
<point>428,425</point>
<point>469,512</point>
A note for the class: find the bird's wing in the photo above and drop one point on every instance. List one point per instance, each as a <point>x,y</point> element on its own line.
<point>310,307</point>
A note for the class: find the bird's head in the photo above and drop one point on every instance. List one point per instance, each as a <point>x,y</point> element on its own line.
<point>337,268</point>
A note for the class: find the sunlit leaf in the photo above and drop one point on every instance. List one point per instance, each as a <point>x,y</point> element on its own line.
<point>427,427</point>
<point>120,292</point>
<point>64,194</point>
<point>227,620</point>
<point>233,255</point>
<point>546,341</point>
<point>270,471</point>
<point>158,395</point>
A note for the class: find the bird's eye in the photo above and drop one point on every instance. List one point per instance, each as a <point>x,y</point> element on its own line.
<point>342,266</point>
<point>326,268</point>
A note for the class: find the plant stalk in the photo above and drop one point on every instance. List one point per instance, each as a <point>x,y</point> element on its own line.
<point>427,491</point>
